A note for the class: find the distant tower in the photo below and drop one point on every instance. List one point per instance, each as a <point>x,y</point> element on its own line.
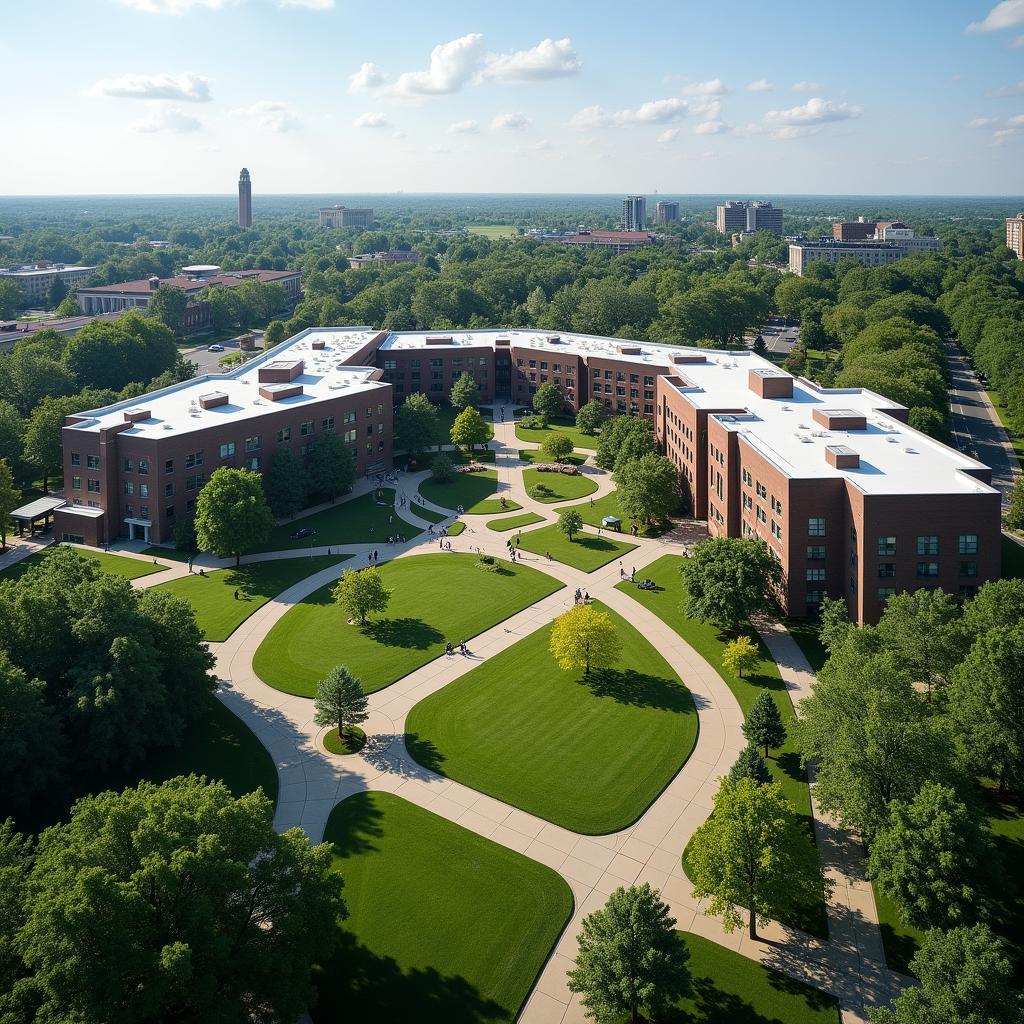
<point>634,213</point>
<point>244,199</point>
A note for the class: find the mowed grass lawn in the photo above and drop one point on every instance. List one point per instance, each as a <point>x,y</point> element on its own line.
<point>563,486</point>
<point>586,551</point>
<point>362,520</point>
<point>728,988</point>
<point>784,764</point>
<point>444,926</point>
<point>212,595</point>
<point>558,426</point>
<point>596,509</point>
<point>588,755</point>
<point>514,522</point>
<point>116,565</point>
<point>435,598</point>
<point>474,491</point>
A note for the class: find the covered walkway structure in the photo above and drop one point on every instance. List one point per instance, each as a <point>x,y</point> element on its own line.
<point>30,514</point>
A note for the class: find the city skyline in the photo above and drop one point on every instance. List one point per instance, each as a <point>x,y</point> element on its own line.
<point>457,100</point>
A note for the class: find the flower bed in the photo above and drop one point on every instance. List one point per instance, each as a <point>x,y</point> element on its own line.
<point>551,467</point>
<point>472,467</point>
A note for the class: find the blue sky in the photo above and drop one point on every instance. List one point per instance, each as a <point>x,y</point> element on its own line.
<point>139,96</point>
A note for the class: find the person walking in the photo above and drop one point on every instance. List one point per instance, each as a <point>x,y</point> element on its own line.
<point>236,595</point>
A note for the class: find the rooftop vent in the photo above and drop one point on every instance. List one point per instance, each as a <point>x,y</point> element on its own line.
<point>445,340</point>
<point>839,456</point>
<point>840,419</point>
<point>769,383</point>
<point>277,392</point>
<point>628,350</point>
<point>554,339</point>
<point>319,345</point>
<point>137,415</point>
<point>687,357</point>
<point>213,399</point>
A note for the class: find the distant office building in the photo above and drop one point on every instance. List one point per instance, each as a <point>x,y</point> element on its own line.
<point>905,238</point>
<point>859,229</point>
<point>13,330</point>
<point>1015,235</point>
<point>666,212</point>
<point>376,259</point>
<point>731,216</point>
<point>764,217</point>
<point>616,241</point>
<point>634,213</point>
<point>892,244</point>
<point>244,199</point>
<point>346,217</point>
<point>36,278</point>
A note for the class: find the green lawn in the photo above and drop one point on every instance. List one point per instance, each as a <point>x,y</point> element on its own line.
<point>1013,560</point>
<point>444,926</point>
<point>1005,890</point>
<point>514,522</point>
<point>534,455</point>
<point>170,554</point>
<point>116,565</point>
<point>456,528</point>
<point>709,642</point>
<point>596,509</point>
<point>492,230</point>
<point>806,633</point>
<point>558,426</point>
<point>212,595</point>
<point>471,490</point>
<point>563,487</point>
<point>356,521</point>
<point>423,615</point>
<point>728,988</point>
<point>427,514</point>
<point>586,551</point>
<point>1016,440</point>
<point>588,756</point>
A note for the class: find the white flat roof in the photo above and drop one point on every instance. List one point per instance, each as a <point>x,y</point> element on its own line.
<point>176,409</point>
<point>39,271</point>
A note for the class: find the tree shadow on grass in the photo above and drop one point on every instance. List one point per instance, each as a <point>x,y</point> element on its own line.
<point>639,690</point>
<point>790,764</point>
<point>404,632</point>
<point>713,1006</point>
<point>355,983</point>
<point>354,826</point>
<point>592,543</point>
<point>424,752</point>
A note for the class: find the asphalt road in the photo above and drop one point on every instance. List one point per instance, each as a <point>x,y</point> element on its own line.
<point>778,338</point>
<point>976,427</point>
<point>209,362</point>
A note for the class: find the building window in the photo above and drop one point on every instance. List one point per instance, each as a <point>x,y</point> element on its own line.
<point>327,424</point>
<point>129,487</point>
<point>884,593</point>
<point>143,466</point>
<point>93,485</point>
<point>143,511</point>
<point>928,545</point>
<point>76,483</point>
<point>969,568</point>
<point>390,364</point>
<point>284,434</point>
<point>253,444</point>
<point>886,570</point>
<point>927,568</point>
<point>194,459</point>
<point>306,428</point>
<point>169,490</point>
<point>815,575</point>
<point>92,462</point>
<point>350,436</point>
<point>168,465</point>
<point>816,553</point>
<point>143,490</point>
<point>350,416</point>
<point>967,592</point>
<point>816,527</point>
<point>227,450</point>
<point>129,466</point>
<point>968,544</point>
<point>887,545</point>
<point>814,597</point>
<point>76,458</point>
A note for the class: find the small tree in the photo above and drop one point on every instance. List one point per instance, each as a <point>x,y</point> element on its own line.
<point>570,522</point>
<point>740,655</point>
<point>168,304</point>
<point>835,622</point>
<point>927,858</point>
<point>10,499</point>
<point>360,592</point>
<point>340,700</point>
<point>417,428</point>
<point>232,515</point>
<point>629,957</point>
<point>591,417</point>
<point>470,429</point>
<point>750,765</point>
<point>557,447</point>
<point>442,469</point>
<point>754,854</point>
<point>965,979</point>
<point>649,487</point>
<point>1015,513</point>
<point>274,334</point>
<point>286,484</point>
<point>763,726</point>
<point>56,293</point>
<point>465,393</point>
<point>548,401</point>
<point>68,307</point>
<point>585,638</point>
<point>330,468</point>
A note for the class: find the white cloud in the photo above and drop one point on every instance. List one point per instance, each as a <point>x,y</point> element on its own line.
<point>807,87</point>
<point>652,112</point>
<point>708,107</point>
<point>368,77</point>
<point>714,87</point>
<point>511,121</point>
<point>760,85</point>
<point>1004,135</point>
<point>982,122</point>
<point>668,136</point>
<point>269,115</point>
<point>174,6</point>
<point>815,111</point>
<point>1017,121</point>
<point>452,65</point>
<point>188,87</point>
<point>712,128</point>
<point>550,58</point>
<point>1008,14</point>
<point>309,5</point>
<point>167,120</point>
<point>371,119</point>
<point>469,127</point>
<point>1013,89</point>
<point>542,146</point>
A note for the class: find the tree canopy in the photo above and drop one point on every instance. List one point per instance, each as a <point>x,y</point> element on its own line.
<point>232,515</point>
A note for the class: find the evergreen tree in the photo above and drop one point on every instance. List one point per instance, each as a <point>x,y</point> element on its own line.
<point>750,765</point>
<point>763,726</point>
<point>340,700</point>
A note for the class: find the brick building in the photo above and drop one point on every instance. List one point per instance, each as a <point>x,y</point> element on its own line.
<point>853,501</point>
<point>1015,235</point>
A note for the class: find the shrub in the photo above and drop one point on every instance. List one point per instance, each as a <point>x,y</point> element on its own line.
<point>540,491</point>
<point>442,469</point>
<point>488,563</point>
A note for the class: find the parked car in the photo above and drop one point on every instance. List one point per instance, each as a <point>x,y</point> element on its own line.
<point>215,348</point>
<point>304,531</point>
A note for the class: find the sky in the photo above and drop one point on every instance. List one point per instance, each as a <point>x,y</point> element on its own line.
<point>578,96</point>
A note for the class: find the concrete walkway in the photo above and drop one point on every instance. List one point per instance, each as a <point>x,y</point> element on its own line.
<point>313,782</point>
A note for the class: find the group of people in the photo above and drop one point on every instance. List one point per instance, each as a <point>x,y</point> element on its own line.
<point>463,649</point>
<point>372,557</point>
<point>513,549</point>
<point>622,573</point>
<point>582,596</point>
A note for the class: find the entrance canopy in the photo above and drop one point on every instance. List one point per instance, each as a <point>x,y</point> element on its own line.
<point>41,508</point>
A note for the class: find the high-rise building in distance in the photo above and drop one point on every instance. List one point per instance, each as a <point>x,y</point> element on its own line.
<point>1015,235</point>
<point>666,212</point>
<point>244,199</point>
<point>731,216</point>
<point>346,217</point>
<point>764,217</point>
<point>634,213</point>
